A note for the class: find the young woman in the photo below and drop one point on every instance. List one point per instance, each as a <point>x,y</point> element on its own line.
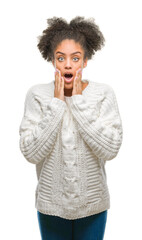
<point>70,128</point>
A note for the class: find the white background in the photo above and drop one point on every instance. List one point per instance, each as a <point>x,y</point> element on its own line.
<point>117,64</point>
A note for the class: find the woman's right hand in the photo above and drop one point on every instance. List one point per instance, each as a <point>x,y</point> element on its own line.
<point>59,85</point>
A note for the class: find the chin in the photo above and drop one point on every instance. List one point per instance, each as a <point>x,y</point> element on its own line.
<point>68,84</point>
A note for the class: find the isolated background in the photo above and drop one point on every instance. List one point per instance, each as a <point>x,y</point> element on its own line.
<point>117,64</point>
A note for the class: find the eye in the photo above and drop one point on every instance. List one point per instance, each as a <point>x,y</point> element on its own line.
<point>76,58</point>
<point>59,58</point>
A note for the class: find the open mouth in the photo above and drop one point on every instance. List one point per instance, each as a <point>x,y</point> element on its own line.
<point>68,77</point>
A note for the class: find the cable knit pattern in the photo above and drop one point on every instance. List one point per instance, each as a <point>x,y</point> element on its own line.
<point>69,142</point>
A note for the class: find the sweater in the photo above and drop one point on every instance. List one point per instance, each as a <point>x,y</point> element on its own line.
<point>70,142</point>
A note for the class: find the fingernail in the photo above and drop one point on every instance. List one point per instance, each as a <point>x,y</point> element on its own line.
<point>79,70</point>
<point>57,70</point>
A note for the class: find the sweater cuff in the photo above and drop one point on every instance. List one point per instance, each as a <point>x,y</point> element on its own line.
<point>58,101</point>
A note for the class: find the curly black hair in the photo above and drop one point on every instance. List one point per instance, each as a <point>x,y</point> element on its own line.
<point>85,32</point>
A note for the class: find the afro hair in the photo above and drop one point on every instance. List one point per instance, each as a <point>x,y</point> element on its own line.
<point>85,32</point>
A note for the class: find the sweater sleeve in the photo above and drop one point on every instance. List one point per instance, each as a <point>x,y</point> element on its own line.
<point>100,126</point>
<point>38,133</point>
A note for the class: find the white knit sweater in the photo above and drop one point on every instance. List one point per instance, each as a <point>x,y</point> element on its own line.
<point>69,142</point>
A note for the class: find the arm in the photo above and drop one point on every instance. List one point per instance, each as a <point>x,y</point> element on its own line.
<point>100,128</point>
<point>37,133</point>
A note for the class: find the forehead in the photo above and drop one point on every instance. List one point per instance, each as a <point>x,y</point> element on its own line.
<point>69,46</point>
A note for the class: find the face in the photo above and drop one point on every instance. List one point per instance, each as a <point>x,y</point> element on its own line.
<point>69,58</point>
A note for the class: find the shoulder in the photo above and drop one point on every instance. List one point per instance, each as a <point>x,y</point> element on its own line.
<point>40,90</point>
<point>103,87</point>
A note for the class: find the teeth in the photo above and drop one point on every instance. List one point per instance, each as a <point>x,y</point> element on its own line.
<point>68,79</point>
<point>68,75</point>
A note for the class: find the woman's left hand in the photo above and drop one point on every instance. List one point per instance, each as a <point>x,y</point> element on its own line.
<point>77,84</point>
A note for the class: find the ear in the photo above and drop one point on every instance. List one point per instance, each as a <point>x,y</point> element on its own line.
<point>53,63</point>
<point>85,62</point>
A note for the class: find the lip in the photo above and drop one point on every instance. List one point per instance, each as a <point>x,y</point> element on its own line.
<point>68,80</point>
<point>68,73</point>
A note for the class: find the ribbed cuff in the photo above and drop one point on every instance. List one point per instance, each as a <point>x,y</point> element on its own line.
<point>58,101</point>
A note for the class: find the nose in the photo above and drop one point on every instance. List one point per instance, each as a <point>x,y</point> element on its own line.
<point>68,64</point>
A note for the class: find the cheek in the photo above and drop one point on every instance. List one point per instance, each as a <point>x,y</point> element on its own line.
<point>78,66</point>
<point>60,69</point>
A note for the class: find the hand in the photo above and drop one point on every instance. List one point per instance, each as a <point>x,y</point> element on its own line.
<point>77,84</point>
<point>59,85</point>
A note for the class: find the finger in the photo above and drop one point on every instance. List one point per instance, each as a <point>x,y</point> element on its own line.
<point>78,74</point>
<point>79,79</point>
<point>79,70</point>
<point>75,81</point>
<point>59,72</point>
<point>61,81</point>
<point>58,78</point>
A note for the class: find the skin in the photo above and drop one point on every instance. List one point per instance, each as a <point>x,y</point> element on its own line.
<point>67,61</point>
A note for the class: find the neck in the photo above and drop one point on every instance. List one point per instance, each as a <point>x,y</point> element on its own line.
<point>68,92</point>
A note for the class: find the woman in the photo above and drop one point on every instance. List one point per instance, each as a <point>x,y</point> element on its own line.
<point>70,128</point>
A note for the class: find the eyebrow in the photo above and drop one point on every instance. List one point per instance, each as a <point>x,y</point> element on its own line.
<point>65,54</point>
